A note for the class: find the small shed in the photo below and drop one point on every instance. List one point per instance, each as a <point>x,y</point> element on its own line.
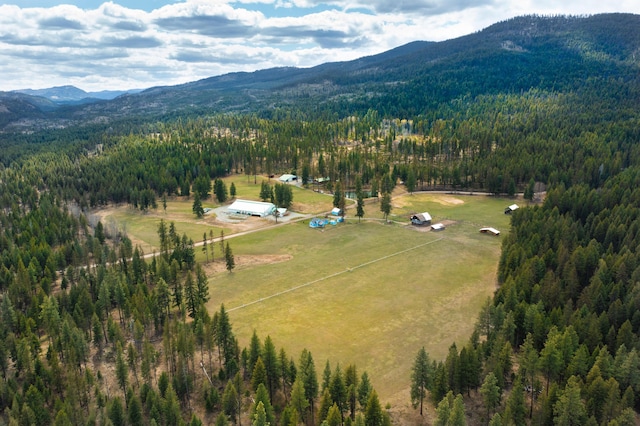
<point>437,227</point>
<point>251,208</point>
<point>511,209</point>
<point>421,219</point>
<point>336,211</point>
<point>288,178</point>
<point>492,231</point>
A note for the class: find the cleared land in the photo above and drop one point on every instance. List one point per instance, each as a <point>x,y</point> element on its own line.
<point>366,293</point>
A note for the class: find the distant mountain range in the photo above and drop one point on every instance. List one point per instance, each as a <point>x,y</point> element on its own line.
<point>531,52</point>
<point>72,95</point>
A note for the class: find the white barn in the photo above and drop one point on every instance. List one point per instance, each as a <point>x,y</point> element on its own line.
<point>288,178</point>
<point>252,208</point>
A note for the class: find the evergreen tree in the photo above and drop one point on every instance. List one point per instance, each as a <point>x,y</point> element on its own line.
<point>529,366</point>
<point>232,190</point>
<point>326,376</point>
<point>191,295</point>
<point>255,351</point>
<point>385,205</point>
<point>443,410</point>
<point>421,379</point>
<point>222,420</point>
<point>205,246</point>
<point>373,415</point>
<point>220,189</point>
<point>259,376</point>
<point>229,259</point>
<point>262,397</point>
<point>270,359</point>
<point>122,372</point>
<point>230,401</point>
<point>134,411</point>
<point>116,412</point>
<point>364,389</point>
<point>359,205</point>
<point>265,191</point>
<point>529,190</point>
<point>298,399</point>
<point>411,181</point>
<point>202,284</point>
<point>516,411</point>
<point>338,390</point>
<point>570,409</point>
<point>351,383</point>
<point>457,416</point>
<point>289,417</point>
<point>260,417</point>
<point>326,401</point>
<point>491,394</point>
<point>334,418</point>
<point>308,376</point>
<point>197,208</point>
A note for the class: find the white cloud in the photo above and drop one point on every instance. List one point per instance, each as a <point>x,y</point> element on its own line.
<point>116,47</point>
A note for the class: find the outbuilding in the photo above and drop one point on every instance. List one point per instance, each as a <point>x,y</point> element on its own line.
<point>492,231</point>
<point>511,209</point>
<point>288,178</point>
<point>336,211</point>
<point>252,208</point>
<point>437,227</point>
<point>421,219</point>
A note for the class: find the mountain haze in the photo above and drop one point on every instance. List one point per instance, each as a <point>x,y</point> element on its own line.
<point>73,95</point>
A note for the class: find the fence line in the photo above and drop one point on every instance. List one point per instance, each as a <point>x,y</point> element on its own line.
<point>289,290</point>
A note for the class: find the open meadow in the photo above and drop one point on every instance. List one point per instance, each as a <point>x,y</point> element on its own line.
<point>369,292</point>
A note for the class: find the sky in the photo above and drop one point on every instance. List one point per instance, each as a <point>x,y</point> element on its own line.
<point>136,44</point>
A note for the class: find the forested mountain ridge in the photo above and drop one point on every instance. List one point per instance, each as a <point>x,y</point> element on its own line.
<point>548,53</point>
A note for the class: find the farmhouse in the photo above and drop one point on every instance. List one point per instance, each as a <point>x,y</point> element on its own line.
<point>492,231</point>
<point>421,219</point>
<point>511,209</point>
<point>288,178</point>
<point>251,208</point>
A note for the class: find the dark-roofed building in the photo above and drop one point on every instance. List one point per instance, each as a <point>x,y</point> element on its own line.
<point>421,219</point>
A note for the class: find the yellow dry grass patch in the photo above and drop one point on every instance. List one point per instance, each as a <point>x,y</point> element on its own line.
<point>244,261</point>
<point>442,199</point>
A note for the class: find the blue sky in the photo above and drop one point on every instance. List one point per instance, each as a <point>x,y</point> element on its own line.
<point>126,44</point>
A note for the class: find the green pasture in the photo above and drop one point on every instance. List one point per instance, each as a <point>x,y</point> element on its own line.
<point>142,227</point>
<point>368,293</point>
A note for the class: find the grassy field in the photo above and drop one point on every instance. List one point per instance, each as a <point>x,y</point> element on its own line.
<point>367,293</point>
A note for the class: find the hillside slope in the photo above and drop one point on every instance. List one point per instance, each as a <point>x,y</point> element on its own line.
<point>549,53</point>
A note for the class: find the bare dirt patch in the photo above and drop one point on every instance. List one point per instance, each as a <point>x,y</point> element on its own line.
<point>245,261</point>
<point>448,200</point>
<point>427,228</point>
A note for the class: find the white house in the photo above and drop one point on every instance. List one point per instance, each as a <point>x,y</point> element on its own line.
<point>251,208</point>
